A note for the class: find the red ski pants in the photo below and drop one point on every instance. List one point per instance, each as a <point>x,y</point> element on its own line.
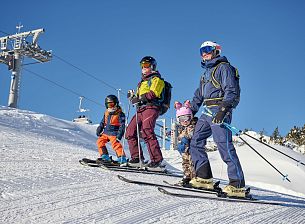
<point>146,121</point>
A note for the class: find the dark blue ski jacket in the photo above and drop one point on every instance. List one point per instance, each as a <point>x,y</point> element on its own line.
<point>219,85</point>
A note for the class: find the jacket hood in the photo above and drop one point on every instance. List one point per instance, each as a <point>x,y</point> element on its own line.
<point>213,62</point>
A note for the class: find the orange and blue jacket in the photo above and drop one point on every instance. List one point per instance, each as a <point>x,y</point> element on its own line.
<point>113,123</point>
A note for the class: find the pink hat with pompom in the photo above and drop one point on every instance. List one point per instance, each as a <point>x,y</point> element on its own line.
<point>182,109</point>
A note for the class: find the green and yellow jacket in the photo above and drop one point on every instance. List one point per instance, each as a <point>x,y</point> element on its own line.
<point>150,89</point>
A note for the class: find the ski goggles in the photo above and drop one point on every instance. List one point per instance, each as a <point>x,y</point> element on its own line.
<point>110,104</point>
<point>145,64</point>
<point>184,118</point>
<point>207,49</point>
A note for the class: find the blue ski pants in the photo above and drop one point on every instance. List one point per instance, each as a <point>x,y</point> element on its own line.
<point>223,139</point>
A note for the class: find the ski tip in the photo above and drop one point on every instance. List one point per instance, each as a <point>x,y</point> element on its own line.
<point>82,162</point>
<point>162,190</point>
<point>166,182</point>
<point>120,177</point>
<point>123,178</point>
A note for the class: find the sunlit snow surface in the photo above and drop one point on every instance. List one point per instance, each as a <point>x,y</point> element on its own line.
<point>41,181</point>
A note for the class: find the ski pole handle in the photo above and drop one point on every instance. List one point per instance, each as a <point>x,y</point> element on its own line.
<point>130,94</point>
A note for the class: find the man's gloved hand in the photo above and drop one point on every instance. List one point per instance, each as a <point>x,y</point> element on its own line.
<point>99,130</point>
<point>221,114</point>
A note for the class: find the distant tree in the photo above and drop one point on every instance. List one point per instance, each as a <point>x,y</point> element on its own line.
<point>276,137</point>
<point>281,140</point>
<point>297,135</point>
<point>261,134</point>
<point>247,129</point>
<point>302,138</point>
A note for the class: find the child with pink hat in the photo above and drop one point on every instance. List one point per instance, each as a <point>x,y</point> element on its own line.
<point>185,127</point>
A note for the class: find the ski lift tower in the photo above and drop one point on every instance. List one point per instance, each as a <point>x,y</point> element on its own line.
<point>13,49</point>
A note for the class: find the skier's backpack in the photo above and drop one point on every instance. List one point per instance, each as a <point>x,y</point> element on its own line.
<point>166,96</point>
<point>217,84</point>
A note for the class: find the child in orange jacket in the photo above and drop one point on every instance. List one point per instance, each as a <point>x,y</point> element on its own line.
<point>111,129</point>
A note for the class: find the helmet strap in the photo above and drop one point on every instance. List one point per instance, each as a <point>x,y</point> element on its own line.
<point>215,53</point>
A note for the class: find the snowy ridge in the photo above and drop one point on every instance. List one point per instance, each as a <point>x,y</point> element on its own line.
<point>41,181</point>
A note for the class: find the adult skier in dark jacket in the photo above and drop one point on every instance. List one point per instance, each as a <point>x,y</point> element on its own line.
<point>219,93</point>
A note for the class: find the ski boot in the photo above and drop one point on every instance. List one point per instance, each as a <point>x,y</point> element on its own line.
<point>105,158</point>
<point>198,182</point>
<point>122,160</point>
<point>135,162</point>
<point>155,166</point>
<point>234,192</point>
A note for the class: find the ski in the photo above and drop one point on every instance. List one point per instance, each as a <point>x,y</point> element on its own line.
<point>204,194</point>
<point>96,163</point>
<point>86,160</point>
<point>141,170</point>
<point>227,199</point>
<point>216,188</point>
<point>167,186</point>
<point>126,168</point>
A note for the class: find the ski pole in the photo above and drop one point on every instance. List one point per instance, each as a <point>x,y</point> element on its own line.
<point>298,161</point>
<point>285,177</point>
<point>138,136</point>
<point>233,129</point>
<point>126,124</point>
<point>208,112</point>
<point>238,132</point>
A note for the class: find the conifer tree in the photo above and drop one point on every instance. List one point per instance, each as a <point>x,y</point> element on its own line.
<point>275,137</point>
<point>297,135</point>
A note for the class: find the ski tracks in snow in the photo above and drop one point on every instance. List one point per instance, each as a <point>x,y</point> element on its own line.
<point>42,182</point>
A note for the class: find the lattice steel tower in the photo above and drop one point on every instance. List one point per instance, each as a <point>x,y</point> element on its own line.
<point>13,49</point>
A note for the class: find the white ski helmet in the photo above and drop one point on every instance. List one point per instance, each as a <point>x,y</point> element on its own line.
<point>209,46</point>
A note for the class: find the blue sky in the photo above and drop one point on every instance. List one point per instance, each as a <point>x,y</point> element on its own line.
<point>107,39</point>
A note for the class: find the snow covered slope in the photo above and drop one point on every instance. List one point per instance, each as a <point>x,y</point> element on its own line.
<point>41,181</point>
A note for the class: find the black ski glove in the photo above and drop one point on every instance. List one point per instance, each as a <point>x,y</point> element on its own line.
<point>221,114</point>
<point>143,99</point>
<point>135,100</point>
<point>99,130</point>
